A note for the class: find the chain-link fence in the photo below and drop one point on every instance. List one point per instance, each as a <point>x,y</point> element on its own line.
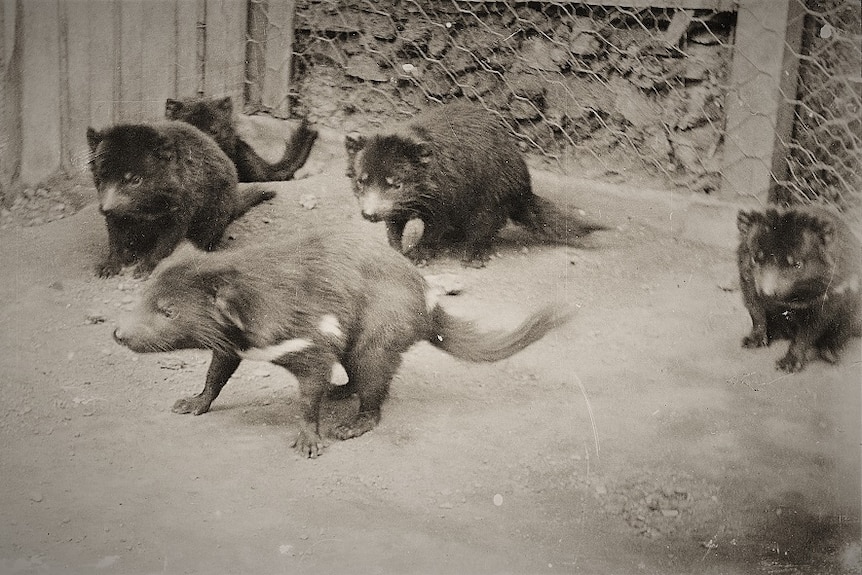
<point>598,90</point>
<point>824,160</point>
<point>602,91</point>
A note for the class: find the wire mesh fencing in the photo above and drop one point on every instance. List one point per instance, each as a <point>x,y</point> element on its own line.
<point>824,160</point>
<point>611,92</point>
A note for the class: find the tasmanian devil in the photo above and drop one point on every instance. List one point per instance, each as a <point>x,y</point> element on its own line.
<point>159,183</point>
<point>309,304</point>
<point>800,271</point>
<point>456,169</point>
<point>214,116</point>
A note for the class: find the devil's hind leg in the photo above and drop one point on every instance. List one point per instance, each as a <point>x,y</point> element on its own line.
<point>370,372</point>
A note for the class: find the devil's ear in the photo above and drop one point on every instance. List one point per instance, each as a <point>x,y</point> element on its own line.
<point>827,231</point>
<point>229,301</point>
<point>423,152</point>
<point>354,142</point>
<point>94,137</point>
<point>226,104</point>
<point>172,108</point>
<point>745,220</point>
<point>226,304</point>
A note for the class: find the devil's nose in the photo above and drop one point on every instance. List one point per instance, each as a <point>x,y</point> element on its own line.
<point>119,337</point>
<point>371,216</point>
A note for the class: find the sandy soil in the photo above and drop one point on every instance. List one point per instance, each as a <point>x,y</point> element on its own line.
<point>640,438</point>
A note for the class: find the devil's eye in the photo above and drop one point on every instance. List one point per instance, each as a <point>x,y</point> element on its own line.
<point>167,310</point>
<point>132,179</point>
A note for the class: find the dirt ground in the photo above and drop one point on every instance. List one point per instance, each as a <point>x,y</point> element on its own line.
<point>639,438</point>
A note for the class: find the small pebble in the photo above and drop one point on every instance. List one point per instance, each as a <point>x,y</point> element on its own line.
<point>94,317</point>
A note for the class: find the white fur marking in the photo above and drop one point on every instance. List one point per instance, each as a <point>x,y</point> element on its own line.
<point>109,197</point>
<point>373,204</point>
<point>273,352</point>
<point>338,375</point>
<point>768,281</point>
<point>330,325</point>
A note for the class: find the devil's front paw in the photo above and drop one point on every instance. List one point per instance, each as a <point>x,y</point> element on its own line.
<point>793,362</point>
<point>108,268</point>
<point>197,404</point>
<point>308,444</point>
<point>757,338</point>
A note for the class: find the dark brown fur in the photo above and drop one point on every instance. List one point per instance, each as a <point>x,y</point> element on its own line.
<point>214,116</point>
<point>458,170</point>
<point>800,271</point>
<point>329,299</point>
<point>159,183</point>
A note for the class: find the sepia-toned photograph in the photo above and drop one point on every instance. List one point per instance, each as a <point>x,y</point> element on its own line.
<point>498,287</point>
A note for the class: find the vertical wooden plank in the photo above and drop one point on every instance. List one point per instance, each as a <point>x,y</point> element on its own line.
<point>158,57</point>
<point>40,91</point>
<point>201,46</point>
<point>77,77</point>
<point>10,92</point>
<point>225,50</point>
<point>103,56</point>
<point>185,34</point>
<point>131,60</point>
<point>757,104</point>
<point>255,51</point>
<point>63,83</point>
<point>279,50</point>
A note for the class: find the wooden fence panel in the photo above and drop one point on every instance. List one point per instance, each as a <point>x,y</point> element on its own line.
<point>10,100</point>
<point>225,48</point>
<point>79,95</point>
<point>159,51</point>
<point>40,89</point>
<point>131,59</point>
<point>97,62</point>
<point>279,51</point>
<point>103,48</point>
<point>186,38</point>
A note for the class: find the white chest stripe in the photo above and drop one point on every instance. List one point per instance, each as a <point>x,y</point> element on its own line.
<point>273,352</point>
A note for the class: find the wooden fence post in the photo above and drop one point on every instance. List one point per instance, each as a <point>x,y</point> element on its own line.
<point>759,101</point>
<point>255,54</point>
